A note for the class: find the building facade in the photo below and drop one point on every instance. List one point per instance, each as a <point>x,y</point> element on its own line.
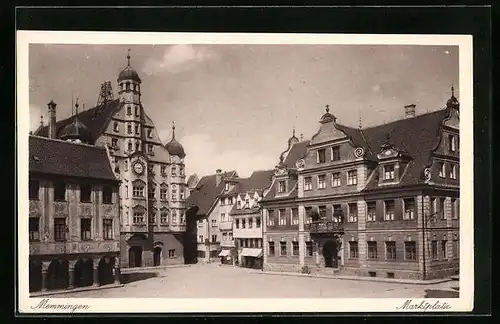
<point>381,201</point>
<point>74,225</point>
<point>152,175</point>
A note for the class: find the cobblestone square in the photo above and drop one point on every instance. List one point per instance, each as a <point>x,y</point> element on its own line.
<point>216,281</point>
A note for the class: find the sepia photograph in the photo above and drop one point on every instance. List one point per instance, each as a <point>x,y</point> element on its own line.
<point>262,170</point>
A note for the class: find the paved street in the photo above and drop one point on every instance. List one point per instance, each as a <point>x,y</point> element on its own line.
<point>214,281</point>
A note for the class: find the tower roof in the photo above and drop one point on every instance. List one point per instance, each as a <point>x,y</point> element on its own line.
<point>174,147</point>
<point>129,73</point>
<point>76,130</point>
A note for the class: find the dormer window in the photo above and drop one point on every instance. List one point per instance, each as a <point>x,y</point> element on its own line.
<point>114,142</point>
<point>137,111</point>
<point>442,170</point>
<point>322,181</point>
<point>307,183</point>
<point>281,186</point>
<point>150,148</point>
<point>137,146</point>
<point>230,200</point>
<point>451,143</point>
<point>116,127</point>
<point>321,157</point>
<point>150,133</point>
<point>136,129</point>
<point>129,146</point>
<point>129,128</point>
<point>335,153</point>
<point>389,172</point>
<point>129,110</point>
<point>226,186</point>
<point>453,171</point>
<point>238,204</point>
<point>247,203</point>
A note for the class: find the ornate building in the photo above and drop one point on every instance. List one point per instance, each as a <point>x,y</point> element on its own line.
<point>152,175</point>
<point>74,229</point>
<point>381,201</point>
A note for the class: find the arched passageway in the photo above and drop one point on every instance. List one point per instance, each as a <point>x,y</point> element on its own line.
<point>105,269</point>
<point>84,273</point>
<point>330,254</point>
<point>35,279</point>
<point>58,274</point>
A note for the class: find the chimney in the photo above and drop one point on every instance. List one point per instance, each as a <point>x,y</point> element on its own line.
<point>218,176</point>
<point>52,119</point>
<point>410,111</point>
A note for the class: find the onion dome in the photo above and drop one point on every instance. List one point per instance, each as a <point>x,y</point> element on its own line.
<point>453,101</point>
<point>327,117</point>
<point>129,73</point>
<point>76,131</point>
<point>173,147</point>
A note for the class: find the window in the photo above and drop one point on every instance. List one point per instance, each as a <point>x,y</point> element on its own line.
<point>34,187</point>
<point>230,202</point>
<point>308,212</point>
<point>353,212</point>
<point>129,147</point>
<point>389,172</point>
<point>238,204</point>
<point>163,193</point>
<point>164,217</point>
<point>336,179</point>
<point>163,170</point>
<point>60,229</point>
<point>171,253</point>
<point>85,225</point>
<point>214,222</point>
<point>151,192</point>
<point>129,128</point>
<point>390,250</point>
<point>455,249</point>
<point>270,217</point>
<point>434,250</point>
<point>247,203</point>
<point>281,186</point>
<point>116,126</point>
<point>246,243</point>
<point>372,250</point>
<point>442,170</point>
<point>451,143</point>
<point>322,181</point>
<point>353,250</point>
<point>152,217</point>
<point>174,171</point>
<point>107,195</point>
<point>34,228</point>
<point>441,212</point>
<point>107,229</point>
<point>114,142</point>
<point>409,209</point>
<point>59,191</point>
<point>150,148</point>
<point>126,191</point>
<point>271,248</point>
<point>307,183</point>
<point>250,223</point>
<point>230,236</point>
<point>174,193</point>
<point>223,217</point>
<point>295,216</point>
<point>129,110</point>
<point>389,210</point>
<point>257,222</point>
<point>85,192</point>
<point>453,171</point>
<point>454,208</point>
<point>243,225</point>
<point>335,153</point>
<point>352,177</point>
<point>137,111</point>
<point>321,156</point>
<point>174,216</point>
<point>336,211</point>
<point>138,218</point>
<point>322,212</point>
<point>150,133</point>
<point>181,170</point>
<point>138,146</point>
<point>214,238</point>
<point>138,191</point>
<point>137,129</point>
<point>309,248</point>
<point>237,223</point>
<point>200,238</point>
<point>283,248</point>
<point>410,251</point>
<point>295,248</point>
<point>371,214</point>
<point>444,249</point>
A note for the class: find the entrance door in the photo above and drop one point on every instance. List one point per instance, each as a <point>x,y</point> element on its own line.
<point>157,256</point>
<point>330,254</point>
<point>135,257</point>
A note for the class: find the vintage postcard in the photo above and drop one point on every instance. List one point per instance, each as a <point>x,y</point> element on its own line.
<point>244,172</point>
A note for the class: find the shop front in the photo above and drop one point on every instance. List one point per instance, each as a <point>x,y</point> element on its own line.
<point>251,258</point>
<point>225,257</point>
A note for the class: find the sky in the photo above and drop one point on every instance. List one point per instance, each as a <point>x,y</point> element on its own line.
<point>235,106</point>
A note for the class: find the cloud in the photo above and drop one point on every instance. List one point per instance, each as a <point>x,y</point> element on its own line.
<point>203,157</point>
<point>376,88</point>
<point>177,58</point>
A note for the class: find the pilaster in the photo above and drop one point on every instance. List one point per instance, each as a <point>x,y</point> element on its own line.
<point>361,231</point>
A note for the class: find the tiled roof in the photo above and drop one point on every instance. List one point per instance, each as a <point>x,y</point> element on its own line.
<point>297,151</point>
<point>192,180</point>
<point>292,183</point>
<point>57,157</point>
<point>257,182</point>
<point>95,119</point>
<point>244,211</point>
<point>205,192</point>
<point>417,136</point>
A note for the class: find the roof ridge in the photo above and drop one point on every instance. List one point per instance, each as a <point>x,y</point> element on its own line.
<point>403,119</point>
<point>68,142</point>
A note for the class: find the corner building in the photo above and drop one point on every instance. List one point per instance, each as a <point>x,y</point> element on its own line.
<point>381,201</point>
<point>152,176</point>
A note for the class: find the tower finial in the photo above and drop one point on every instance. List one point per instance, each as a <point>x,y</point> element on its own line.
<point>41,120</point>
<point>301,137</point>
<point>452,90</point>
<point>327,108</point>
<point>360,120</point>
<point>173,129</point>
<point>128,57</point>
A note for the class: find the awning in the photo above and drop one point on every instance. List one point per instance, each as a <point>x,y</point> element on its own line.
<point>256,253</point>
<point>224,253</point>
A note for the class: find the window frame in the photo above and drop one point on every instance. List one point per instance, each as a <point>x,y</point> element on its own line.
<point>321,181</point>
<point>371,245</point>
<point>107,225</point>
<point>393,214</point>
<point>371,217</point>
<point>34,234</point>
<point>307,183</point>
<point>405,204</point>
<point>86,235</point>
<point>353,247</point>
<point>410,248</point>
<point>335,157</point>
<point>352,177</point>
<point>336,182</point>
<point>389,175</point>
<point>283,247</point>
<point>321,153</point>
<point>60,229</point>
<point>390,251</point>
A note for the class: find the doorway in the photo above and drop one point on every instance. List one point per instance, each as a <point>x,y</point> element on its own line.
<point>106,266</point>
<point>330,254</point>
<point>135,257</point>
<point>157,256</point>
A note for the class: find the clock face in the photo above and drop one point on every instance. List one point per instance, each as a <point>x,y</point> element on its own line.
<point>138,168</point>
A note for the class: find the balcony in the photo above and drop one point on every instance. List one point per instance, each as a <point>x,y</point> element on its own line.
<point>225,226</point>
<point>325,227</point>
